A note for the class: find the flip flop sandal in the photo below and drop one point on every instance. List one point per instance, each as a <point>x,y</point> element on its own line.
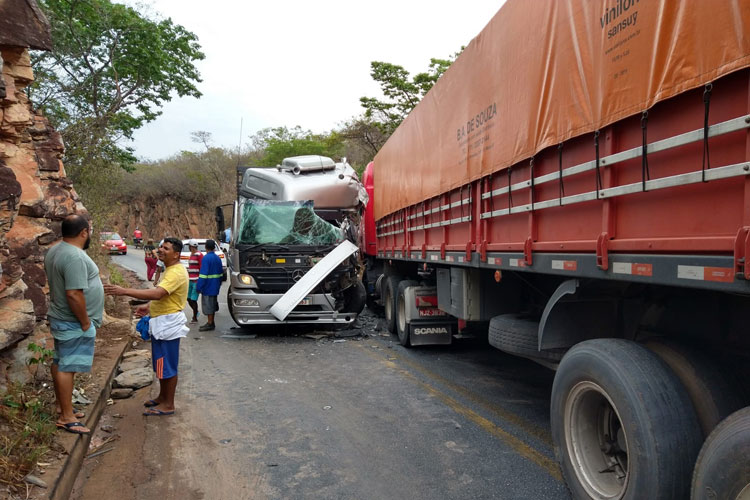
<point>150,403</point>
<point>154,412</point>
<point>72,427</point>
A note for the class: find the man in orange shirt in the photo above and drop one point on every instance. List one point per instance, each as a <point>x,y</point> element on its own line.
<point>166,324</point>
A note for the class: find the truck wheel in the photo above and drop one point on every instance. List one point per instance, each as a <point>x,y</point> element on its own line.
<point>390,288</point>
<point>402,325</point>
<point>516,334</point>
<point>723,466</point>
<point>712,394</point>
<point>230,308</point>
<point>622,424</point>
<point>355,297</point>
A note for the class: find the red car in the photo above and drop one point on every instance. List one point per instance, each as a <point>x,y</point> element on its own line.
<point>113,243</point>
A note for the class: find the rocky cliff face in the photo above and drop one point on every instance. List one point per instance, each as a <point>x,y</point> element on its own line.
<point>35,195</point>
<point>158,219</point>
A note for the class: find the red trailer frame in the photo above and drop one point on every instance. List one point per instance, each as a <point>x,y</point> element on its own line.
<point>661,198</point>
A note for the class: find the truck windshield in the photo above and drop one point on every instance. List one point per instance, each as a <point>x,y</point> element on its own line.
<point>284,222</point>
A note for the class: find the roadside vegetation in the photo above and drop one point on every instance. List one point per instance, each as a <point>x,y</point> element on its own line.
<point>27,429</point>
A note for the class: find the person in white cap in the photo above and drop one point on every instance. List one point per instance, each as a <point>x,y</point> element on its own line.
<point>194,269</point>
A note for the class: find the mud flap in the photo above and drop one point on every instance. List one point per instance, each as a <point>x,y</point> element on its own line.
<point>310,280</point>
<point>430,333</point>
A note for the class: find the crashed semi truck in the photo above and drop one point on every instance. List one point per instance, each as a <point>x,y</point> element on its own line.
<point>292,254</point>
<point>578,181</point>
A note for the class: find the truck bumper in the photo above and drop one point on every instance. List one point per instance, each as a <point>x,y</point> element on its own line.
<point>250,308</point>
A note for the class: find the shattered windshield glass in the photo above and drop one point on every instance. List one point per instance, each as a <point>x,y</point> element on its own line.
<point>284,222</point>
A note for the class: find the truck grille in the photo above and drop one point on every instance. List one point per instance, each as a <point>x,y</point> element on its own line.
<point>280,279</point>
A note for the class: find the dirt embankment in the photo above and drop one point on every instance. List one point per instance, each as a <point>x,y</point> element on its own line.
<point>164,217</point>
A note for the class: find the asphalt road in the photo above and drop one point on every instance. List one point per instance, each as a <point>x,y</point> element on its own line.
<point>269,413</point>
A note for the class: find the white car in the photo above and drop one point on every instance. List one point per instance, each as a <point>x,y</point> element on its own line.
<point>185,254</point>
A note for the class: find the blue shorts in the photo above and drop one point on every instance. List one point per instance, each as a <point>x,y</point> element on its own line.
<point>193,290</point>
<point>165,357</point>
<point>74,348</point>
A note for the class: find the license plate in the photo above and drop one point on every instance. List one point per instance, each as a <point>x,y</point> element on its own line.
<point>431,311</point>
<point>306,301</point>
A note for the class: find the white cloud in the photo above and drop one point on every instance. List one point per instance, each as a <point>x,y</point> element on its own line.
<point>299,62</point>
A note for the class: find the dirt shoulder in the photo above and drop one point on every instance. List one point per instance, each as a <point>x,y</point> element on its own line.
<point>52,472</point>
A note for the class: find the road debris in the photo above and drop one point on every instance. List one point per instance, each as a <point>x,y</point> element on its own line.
<point>121,393</point>
<point>79,397</point>
<point>31,479</point>
<point>315,336</point>
<point>102,452</point>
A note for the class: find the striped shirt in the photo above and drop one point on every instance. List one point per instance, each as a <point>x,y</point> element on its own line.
<point>194,266</point>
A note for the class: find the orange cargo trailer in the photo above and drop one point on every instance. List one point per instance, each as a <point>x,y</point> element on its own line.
<point>579,178</point>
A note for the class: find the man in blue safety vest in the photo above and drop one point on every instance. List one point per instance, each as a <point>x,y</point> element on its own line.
<point>209,283</point>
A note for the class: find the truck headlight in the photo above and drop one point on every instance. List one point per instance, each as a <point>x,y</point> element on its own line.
<point>248,280</point>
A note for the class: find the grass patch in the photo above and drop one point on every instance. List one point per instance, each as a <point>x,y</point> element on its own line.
<point>115,274</point>
<point>27,427</point>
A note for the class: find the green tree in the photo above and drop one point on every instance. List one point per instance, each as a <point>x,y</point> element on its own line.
<point>281,142</point>
<point>110,72</point>
<point>401,91</point>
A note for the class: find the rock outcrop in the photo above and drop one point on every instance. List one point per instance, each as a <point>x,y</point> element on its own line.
<point>164,217</point>
<point>35,195</point>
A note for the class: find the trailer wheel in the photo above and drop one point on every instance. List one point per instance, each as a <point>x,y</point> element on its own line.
<point>723,466</point>
<point>516,334</point>
<point>402,325</point>
<point>622,424</point>
<point>712,394</point>
<point>390,288</point>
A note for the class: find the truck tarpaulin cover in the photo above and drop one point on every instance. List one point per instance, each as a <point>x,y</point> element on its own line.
<point>544,71</point>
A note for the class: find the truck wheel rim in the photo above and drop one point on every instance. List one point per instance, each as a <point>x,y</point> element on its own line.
<point>596,442</point>
<point>744,494</point>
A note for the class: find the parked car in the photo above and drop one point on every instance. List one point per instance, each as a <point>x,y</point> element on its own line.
<point>185,255</point>
<point>113,243</point>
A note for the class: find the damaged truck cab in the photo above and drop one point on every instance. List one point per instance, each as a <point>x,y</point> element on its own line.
<point>286,220</point>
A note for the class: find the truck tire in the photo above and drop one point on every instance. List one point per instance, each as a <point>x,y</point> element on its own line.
<point>390,288</point>
<point>713,396</point>
<point>516,334</point>
<point>622,424</point>
<point>230,308</point>
<point>402,324</point>
<point>355,298</point>
<point>723,466</point>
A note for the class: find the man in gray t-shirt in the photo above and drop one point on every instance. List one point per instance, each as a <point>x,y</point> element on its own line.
<point>76,309</point>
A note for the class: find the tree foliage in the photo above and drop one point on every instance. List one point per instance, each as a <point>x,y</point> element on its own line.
<point>203,179</point>
<point>281,142</point>
<point>110,72</point>
<point>401,91</point>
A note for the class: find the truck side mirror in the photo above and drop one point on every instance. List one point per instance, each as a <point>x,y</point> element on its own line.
<point>219,217</point>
